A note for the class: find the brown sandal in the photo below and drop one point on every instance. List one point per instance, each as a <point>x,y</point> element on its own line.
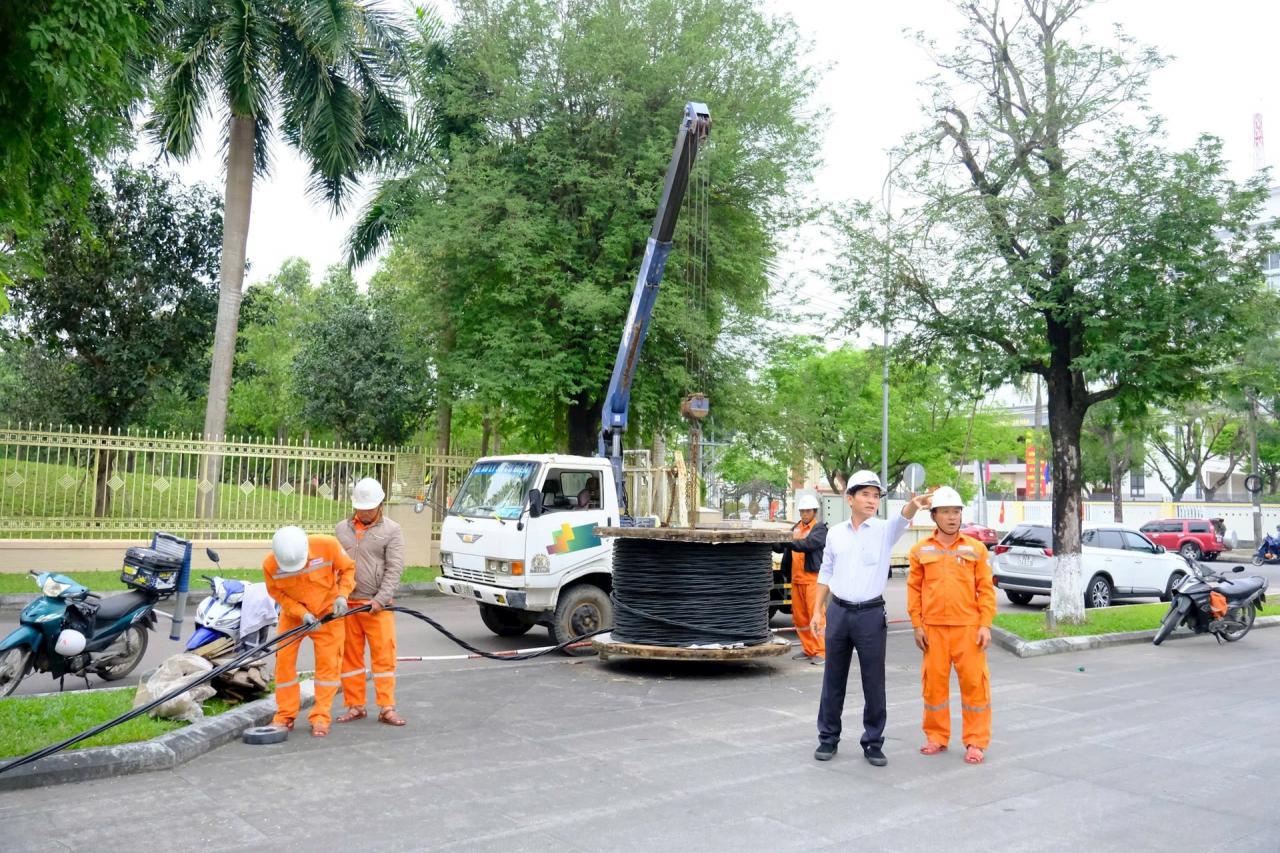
<point>932,748</point>
<point>319,729</point>
<point>390,717</point>
<point>353,713</point>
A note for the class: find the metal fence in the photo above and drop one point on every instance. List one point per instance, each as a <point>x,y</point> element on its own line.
<point>72,483</point>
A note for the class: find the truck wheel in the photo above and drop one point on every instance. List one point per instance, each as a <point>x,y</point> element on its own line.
<point>582,608</point>
<point>1190,550</point>
<point>504,621</point>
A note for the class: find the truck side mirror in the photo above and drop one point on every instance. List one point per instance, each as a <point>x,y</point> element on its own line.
<point>535,503</point>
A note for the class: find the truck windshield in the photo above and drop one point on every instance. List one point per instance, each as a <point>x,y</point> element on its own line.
<point>494,489</point>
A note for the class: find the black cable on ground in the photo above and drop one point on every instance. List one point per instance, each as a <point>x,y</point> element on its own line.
<point>683,594</point>
<point>266,648</point>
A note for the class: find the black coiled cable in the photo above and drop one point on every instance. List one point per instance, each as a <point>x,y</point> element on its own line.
<point>683,594</point>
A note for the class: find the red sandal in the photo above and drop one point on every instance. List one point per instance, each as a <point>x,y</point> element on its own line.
<point>932,748</point>
<point>974,755</point>
<point>353,713</point>
<point>390,717</point>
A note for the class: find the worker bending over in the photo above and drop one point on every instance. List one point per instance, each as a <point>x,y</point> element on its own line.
<point>377,545</point>
<point>951,602</point>
<point>310,577</point>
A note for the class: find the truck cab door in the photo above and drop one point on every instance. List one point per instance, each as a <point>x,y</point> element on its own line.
<point>575,501</point>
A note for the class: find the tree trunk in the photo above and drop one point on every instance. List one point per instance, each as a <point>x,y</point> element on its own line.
<point>102,493</point>
<point>1116,471</point>
<point>582,427</point>
<point>486,429</point>
<point>235,233</point>
<point>1067,407</point>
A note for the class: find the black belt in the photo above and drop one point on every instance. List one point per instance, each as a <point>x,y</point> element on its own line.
<point>878,601</point>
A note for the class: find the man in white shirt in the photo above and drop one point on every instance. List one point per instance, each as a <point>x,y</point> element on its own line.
<point>850,603</point>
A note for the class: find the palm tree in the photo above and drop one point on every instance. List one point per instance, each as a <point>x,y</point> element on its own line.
<point>329,70</point>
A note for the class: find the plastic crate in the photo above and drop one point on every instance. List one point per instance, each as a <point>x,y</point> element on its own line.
<point>149,568</point>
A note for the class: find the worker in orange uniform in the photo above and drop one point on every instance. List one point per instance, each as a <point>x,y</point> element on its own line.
<point>310,578</point>
<point>802,556</point>
<point>951,602</point>
<point>377,544</point>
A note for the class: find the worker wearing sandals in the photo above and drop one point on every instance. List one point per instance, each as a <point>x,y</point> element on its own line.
<point>951,602</point>
<point>376,543</point>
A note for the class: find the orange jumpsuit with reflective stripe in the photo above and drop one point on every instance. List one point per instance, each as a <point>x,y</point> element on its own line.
<point>327,574</point>
<point>378,630</point>
<point>804,589</point>
<point>950,595</point>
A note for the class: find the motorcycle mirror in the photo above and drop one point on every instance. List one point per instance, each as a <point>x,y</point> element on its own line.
<point>211,554</point>
<point>1238,569</point>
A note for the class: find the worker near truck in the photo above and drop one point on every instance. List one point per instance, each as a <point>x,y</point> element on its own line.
<point>310,578</point>
<point>802,557</point>
<point>850,604</point>
<point>951,601</point>
<point>376,543</point>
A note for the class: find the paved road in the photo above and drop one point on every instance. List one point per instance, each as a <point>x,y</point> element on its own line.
<point>1106,750</point>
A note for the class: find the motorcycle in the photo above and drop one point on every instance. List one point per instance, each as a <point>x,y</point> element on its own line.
<point>219,637</point>
<point>70,630</point>
<point>1268,552</point>
<point>1211,603</point>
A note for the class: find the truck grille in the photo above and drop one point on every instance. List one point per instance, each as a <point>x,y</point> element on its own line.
<point>473,575</point>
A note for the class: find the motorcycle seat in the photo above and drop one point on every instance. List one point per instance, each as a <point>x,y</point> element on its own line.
<point>1235,590</point>
<point>115,606</point>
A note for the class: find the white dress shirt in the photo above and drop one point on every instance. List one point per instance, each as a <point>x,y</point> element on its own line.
<point>855,564</point>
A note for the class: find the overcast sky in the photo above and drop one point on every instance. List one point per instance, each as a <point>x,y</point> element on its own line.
<point>1223,73</point>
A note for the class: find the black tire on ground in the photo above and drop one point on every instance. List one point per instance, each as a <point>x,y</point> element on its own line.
<point>1167,625</point>
<point>131,645</point>
<point>582,608</point>
<point>1190,550</point>
<point>1098,592</point>
<point>259,735</point>
<point>504,621</point>
<point>1018,597</point>
<point>1174,580</point>
<point>13,667</point>
<point>1246,615</point>
<point>1209,558</point>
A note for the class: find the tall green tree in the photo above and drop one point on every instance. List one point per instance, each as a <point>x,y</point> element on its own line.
<point>1111,446</point>
<point>1055,234</point>
<point>328,69</point>
<point>556,122</point>
<point>69,75</point>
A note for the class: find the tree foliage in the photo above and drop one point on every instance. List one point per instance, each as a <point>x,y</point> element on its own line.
<point>124,306</point>
<point>1054,234</point>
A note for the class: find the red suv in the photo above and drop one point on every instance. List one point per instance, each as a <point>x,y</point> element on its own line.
<point>1197,538</point>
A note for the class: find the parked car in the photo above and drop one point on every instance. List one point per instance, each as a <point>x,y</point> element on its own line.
<point>985,535</point>
<point>1197,538</point>
<point>1116,562</point>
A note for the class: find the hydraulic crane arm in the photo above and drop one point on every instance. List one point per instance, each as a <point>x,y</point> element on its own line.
<point>695,127</point>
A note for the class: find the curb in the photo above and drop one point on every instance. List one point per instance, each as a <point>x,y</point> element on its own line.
<point>163,753</point>
<point>1015,645</point>
<point>18,600</point>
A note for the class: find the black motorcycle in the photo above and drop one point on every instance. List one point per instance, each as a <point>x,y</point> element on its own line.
<point>1211,603</point>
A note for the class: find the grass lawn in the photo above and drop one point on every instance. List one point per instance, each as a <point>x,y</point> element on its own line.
<point>31,723</point>
<point>109,581</point>
<point>1109,620</point>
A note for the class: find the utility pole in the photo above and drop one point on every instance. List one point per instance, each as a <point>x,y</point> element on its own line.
<point>1256,495</point>
<point>884,322</point>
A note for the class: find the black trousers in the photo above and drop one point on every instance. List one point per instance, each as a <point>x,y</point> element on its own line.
<point>863,631</point>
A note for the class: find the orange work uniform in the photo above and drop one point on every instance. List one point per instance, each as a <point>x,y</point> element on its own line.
<point>950,595</point>
<point>804,589</point>
<point>327,574</point>
<point>378,549</point>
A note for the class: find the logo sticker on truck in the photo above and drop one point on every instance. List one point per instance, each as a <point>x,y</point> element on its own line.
<point>568,539</point>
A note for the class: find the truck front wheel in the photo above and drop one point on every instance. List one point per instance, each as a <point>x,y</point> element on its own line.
<point>504,621</point>
<point>582,609</point>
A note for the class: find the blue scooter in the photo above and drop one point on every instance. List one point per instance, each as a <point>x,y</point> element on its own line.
<point>1268,552</point>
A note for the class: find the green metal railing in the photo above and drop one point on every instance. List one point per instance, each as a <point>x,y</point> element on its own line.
<point>72,483</point>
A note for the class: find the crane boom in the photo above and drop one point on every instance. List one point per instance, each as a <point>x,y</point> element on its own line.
<point>694,128</point>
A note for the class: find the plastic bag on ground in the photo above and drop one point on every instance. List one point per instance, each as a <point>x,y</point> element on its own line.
<point>173,673</point>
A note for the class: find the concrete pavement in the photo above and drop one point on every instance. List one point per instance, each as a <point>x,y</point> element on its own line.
<point>1126,749</point>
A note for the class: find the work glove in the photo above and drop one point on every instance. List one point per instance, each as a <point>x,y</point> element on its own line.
<point>309,621</point>
<point>340,606</point>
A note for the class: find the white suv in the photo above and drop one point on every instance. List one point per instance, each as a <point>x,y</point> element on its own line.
<point>1117,561</point>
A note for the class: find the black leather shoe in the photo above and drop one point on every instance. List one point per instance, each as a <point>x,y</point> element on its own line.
<point>825,751</point>
<point>875,755</point>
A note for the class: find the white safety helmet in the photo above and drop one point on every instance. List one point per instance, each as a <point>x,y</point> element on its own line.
<point>807,502</point>
<point>863,478</point>
<point>70,643</point>
<point>367,494</point>
<point>946,496</point>
<point>291,548</point>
